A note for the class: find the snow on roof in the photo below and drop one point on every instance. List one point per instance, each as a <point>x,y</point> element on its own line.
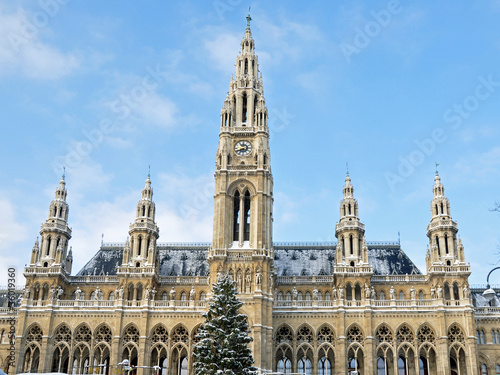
<point>185,259</point>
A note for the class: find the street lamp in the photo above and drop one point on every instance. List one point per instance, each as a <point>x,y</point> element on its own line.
<point>489,293</point>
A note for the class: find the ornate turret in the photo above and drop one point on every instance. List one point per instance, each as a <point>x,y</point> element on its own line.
<point>350,231</point>
<point>442,232</point>
<point>141,251</point>
<point>55,233</point>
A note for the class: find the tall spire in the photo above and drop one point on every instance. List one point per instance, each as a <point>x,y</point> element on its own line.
<point>442,230</point>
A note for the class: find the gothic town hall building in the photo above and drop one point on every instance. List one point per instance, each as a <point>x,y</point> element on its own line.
<point>350,307</point>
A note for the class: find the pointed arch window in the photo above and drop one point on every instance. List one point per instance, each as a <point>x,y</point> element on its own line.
<point>246,66</point>
<point>49,242</point>
<point>139,246</point>
<point>438,247</point>
<point>446,243</point>
<point>351,242</point>
<point>244,108</point>
<point>442,208</point>
<point>236,216</point>
<point>247,216</point>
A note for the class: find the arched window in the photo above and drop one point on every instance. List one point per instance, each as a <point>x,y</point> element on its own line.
<point>300,297</point>
<point>357,292</point>
<point>304,366</point>
<point>446,243</point>
<point>498,369</point>
<point>327,296</point>
<point>111,296</point>
<point>164,296</point>
<point>401,295</point>
<point>423,366</point>
<point>288,296</point>
<point>246,66</point>
<point>381,368</point>
<point>348,292</point>
<point>324,366</point>
<point>244,108</point>
<point>280,296</point>
<point>183,296</point>
<point>236,217</point>
<point>456,296</point>
<point>438,247</point>
<point>381,296</point>
<point>446,291</point>
<point>308,296</point>
<point>247,217</point>
<point>484,369</point>
<point>401,366</point>
<point>481,336</point>
<point>420,295</point>
<point>203,296</point>
<point>139,246</point>
<point>285,366</point>
<point>49,241</point>
<point>351,244</point>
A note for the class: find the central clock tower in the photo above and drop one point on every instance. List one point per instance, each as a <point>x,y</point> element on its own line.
<point>243,200</point>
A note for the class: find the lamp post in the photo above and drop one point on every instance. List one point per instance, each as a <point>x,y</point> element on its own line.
<point>489,293</point>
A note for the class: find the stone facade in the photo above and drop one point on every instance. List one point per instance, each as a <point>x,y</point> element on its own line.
<point>313,308</point>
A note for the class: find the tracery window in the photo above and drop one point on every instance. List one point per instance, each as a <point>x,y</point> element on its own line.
<point>325,334</point>
<point>34,334</point>
<point>180,334</point>
<point>426,334</point>
<point>62,334</point>
<point>304,366</point>
<point>103,334</point>
<point>131,334</point>
<point>405,334</point>
<point>304,335</point>
<point>284,334</point>
<point>455,334</point>
<point>355,335</point>
<point>159,334</point>
<point>285,366</point>
<point>384,334</point>
<point>83,334</point>
<point>324,366</point>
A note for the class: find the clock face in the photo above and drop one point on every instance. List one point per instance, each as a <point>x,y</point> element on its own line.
<point>243,148</point>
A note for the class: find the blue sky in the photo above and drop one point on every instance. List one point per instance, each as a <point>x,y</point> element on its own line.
<point>108,88</point>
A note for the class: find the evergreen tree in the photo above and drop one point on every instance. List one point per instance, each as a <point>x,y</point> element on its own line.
<point>222,348</point>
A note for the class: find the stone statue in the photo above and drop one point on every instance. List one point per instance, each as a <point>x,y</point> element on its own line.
<point>78,293</point>
<point>466,292</point>
<point>121,292</point>
<point>433,292</point>
<point>315,294</point>
<point>248,281</point>
<point>392,293</point>
<point>258,277</point>
<point>52,293</point>
<point>295,294</point>
<point>271,281</point>
<point>341,292</point>
<point>374,295</point>
<point>60,292</point>
<point>172,294</point>
<point>27,292</point>
<point>97,294</point>
<point>413,293</point>
<point>146,293</point>
<point>192,294</point>
<point>439,292</point>
<point>367,292</point>
<point>334,293</point>
<point>153,293</point>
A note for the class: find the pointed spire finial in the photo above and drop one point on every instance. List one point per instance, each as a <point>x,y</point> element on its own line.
<point>437,164</point>
<point>248,18</point>
<point>102,239</point>
<point>149,171</point>
<point>64,172</point>
<point>347,168</point>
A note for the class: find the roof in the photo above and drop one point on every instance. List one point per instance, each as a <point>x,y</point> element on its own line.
<point>291,259</point>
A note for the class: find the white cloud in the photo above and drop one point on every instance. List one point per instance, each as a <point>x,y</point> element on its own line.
<point>22,51</point>
<point>222,49</point>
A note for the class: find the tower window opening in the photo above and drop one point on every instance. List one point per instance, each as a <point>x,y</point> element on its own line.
<point>139,246</point>
<point>349,208</point>
<point>58,242</point>
<point>437,211</point>
<point>236,217</point>
<point>143,210</point>
<point>55,211</point>
<point>357,292</point>
<point>49,241</point>
<point>247,217</point>
<point>345,211</point>
<point>438,247</point>
<point>446,291</point>
<point>348,292</point>
<point>265,159</point>
<point>149,211</point>
<point>244,111</point>
<point>351,244</point>
<point>149,243</point>
<point>456,296</point>
<point>442,208</point>
<point>446,243</point>
<point>246,66</point>
<point>343,246</point>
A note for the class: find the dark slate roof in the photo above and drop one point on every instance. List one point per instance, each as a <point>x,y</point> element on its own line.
<point>479,301</point>
<point>4,300</point>
<point>291,259</point>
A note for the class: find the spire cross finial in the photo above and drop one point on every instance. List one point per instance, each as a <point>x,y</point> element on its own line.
<point>347,168</point>
<point>437,164</point>
<point>64,172</point>
<point>248,18</point>
<point>149,171</point>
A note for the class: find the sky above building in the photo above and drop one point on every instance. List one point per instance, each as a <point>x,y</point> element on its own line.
<point>108,89</point>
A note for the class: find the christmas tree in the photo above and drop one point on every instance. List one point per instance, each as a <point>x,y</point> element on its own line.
<point>222,348</point>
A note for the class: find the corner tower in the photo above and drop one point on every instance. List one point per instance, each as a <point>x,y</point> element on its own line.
<point>243,200</point>
<point>445,248</point>
<point>55,235</point>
